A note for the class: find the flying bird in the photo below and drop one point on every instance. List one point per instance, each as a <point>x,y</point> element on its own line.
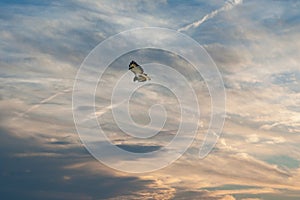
<point>138,71</point>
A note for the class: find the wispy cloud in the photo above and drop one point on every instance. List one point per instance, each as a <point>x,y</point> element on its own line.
<point>227,6</point>
<point>255,49</point>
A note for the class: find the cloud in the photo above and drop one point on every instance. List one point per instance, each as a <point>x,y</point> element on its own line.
<point>26,161</point>
<point>254,46</point>
<point>227,6</point>
<point>251,173</point>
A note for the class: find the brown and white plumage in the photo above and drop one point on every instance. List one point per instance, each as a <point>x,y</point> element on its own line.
<point>138,71</point>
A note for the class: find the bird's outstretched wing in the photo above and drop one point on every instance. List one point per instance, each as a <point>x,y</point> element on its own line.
<point>135,68</point>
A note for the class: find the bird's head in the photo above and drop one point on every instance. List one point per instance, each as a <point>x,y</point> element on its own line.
<point>132,64</point>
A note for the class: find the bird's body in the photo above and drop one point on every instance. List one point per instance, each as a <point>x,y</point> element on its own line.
<point>138,71</point>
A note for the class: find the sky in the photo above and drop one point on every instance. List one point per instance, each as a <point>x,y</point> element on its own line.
<point>253,44</point>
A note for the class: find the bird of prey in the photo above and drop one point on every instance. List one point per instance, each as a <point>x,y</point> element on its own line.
<point>138,71</point>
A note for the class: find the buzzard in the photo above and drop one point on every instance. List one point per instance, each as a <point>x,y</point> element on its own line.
<point>138,71</point>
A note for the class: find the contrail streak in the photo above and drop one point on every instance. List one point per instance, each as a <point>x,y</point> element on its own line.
<point>227,6</point>
<point>42,102</point>
<point>104,110</point>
